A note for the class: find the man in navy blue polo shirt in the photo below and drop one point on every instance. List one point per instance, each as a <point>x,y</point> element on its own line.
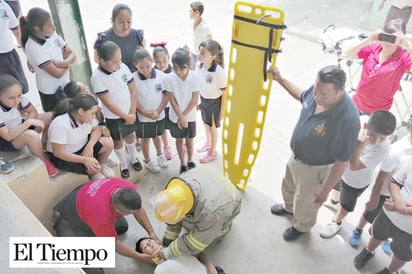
<point>322,144</point>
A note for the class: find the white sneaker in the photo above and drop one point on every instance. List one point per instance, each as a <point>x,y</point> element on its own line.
<point>152,167</point>
<point>106,171</point>
<point>330,230</point>
<point>96,176</point>
<point>161,160</point>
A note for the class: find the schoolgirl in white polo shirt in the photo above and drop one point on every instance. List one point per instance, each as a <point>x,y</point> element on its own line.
<point>75,140</point>
<point>212,94</point>
<point>114,84</point>
<point>151,102</point>
<point>161,59</point>
<point>20,123</point>
<point>183,88</point>
<point>47,53</point>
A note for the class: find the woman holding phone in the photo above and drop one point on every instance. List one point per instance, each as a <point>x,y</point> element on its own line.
<point>386,57</point>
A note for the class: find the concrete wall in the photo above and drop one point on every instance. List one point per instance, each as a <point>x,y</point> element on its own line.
<point>18,220</point>
<point>27,198</point>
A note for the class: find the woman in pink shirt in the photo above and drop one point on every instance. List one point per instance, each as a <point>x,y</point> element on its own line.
<point>386,57</point>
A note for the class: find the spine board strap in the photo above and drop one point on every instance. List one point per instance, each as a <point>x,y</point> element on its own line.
<point>268,50</point>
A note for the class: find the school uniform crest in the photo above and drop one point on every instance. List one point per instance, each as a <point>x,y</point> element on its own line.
<point>209,79</point>
<point>124,77</point>
<point>4,14</point>
<point>158,87</point>
<point>58,43</point>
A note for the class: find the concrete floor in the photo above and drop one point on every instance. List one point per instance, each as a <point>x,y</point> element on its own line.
<point>255,244</point>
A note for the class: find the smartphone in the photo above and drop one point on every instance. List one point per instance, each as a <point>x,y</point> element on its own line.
<point>386,37</point>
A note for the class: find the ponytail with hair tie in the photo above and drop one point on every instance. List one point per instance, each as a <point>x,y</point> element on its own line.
<point>101,38</point>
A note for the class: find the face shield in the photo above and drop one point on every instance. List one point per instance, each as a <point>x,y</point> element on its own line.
<point>174,202</point>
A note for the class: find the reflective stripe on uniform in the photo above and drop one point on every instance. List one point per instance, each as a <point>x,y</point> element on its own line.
<point>196,244</point>
<point>174,248</point>
<point>171,235</point>
<point>224,231</point>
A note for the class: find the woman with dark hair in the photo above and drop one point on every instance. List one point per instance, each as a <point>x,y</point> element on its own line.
<point>122,33</point>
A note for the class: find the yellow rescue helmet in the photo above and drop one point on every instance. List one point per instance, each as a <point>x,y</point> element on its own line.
<point>174,202</point>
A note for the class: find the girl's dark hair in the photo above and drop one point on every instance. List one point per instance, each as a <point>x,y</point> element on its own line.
<point>158,49</point>
<point>36,17</point>
<point>141,54</point>
<point>215,50</point>
<point>118,8</point>
<point>181,58</point>
<point>81,101</point>
<point>72,89</point>
<point>106,50</point>
<point>6,81</point>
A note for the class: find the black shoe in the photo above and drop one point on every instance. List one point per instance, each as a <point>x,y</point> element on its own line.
<point>125,173</point>
<point>279,210</point>
<point>137,166</point>
<point>362,258</point>
<point>183,168</point>
<point>219,270</point>
<point>191,165</point>
<point>291,234</point>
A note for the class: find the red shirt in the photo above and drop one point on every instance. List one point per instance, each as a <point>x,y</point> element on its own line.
<point>94,205</point>
<point>379,82</point>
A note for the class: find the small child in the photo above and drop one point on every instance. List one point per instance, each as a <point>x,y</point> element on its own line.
<point>212,94</point>
<point>394,221</point>
<point>20,123</point>
<point>183,88</point>
<point>372,147</point>
<point>47,53</point>
<point>115,86</point>
<point>151,101</point>
<point>161,59</point>
<point>75,143</point>
<point>200,28</point>
<point>399,153</point>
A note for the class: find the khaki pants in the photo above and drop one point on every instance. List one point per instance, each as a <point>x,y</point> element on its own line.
<point>299,186</point>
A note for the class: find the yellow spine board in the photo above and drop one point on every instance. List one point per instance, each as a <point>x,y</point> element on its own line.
<point>256,37</point>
